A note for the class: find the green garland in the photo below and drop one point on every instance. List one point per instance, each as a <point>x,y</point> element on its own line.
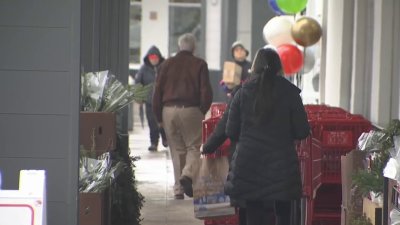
<point>372,179</point>
<point>126,201</point>
<point>360,220</point>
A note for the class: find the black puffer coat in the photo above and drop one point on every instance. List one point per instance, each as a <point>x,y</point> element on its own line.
<point>265,165</point>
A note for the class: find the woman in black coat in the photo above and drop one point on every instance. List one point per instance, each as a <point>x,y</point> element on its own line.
<point>266,116</point>
<point>216,139</point>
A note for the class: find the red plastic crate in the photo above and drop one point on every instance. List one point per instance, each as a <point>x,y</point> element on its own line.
<point>323,108</point>
<point>227,220</point>
<point>207,129</point>
<point>331,165</point>
<point>224,220</point>
<point>315,108</point>
<point>327,205</point>
<point>217,109</point>
<point>325,209</point>
<point>309,153</point>
<point>340,132</point>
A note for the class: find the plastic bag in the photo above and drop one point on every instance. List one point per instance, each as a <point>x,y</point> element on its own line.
<point>92,89</point>
<point>96,175</point>
<point>103,92</point>
<point>371,141</point>
<point>209,198</point>
<point>392,168</point>
<point>394,217</point>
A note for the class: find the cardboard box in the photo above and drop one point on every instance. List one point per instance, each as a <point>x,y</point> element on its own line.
<point>93,209</point>
<point>97,130</point>
<point>372,211</point>
<point>232,73</point>
<point>352,201</point>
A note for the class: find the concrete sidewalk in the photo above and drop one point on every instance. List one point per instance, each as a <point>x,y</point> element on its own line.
<point>155,177</point>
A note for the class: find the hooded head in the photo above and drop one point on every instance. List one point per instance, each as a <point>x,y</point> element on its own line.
<point>238,46</point>
<point>153,53</point>
<point>266,60</point>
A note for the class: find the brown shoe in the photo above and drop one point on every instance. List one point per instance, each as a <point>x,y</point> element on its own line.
<point>186,183</point>
<point>179,196</point>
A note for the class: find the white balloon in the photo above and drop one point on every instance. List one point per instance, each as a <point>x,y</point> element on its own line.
<point>277,31</point>
<point>309,60</point>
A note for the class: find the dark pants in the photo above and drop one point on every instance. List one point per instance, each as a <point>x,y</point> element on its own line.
<point>155,131</point>
<point>242,216</point>
<point>265,213</point>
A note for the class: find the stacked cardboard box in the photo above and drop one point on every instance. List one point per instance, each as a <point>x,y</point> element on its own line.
<point>97,134</point>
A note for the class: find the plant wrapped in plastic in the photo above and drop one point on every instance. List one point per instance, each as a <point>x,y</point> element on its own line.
<point>103,92</point>
<point>92,89</point>
<point>382,145</point>
<point>140,91</point>
<point>96,175</point>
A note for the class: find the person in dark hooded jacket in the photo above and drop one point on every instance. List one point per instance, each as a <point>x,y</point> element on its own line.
<point>266,116</point>
<point>145,76</point>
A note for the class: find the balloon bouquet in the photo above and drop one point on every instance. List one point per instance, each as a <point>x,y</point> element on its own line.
<point>284,33</point>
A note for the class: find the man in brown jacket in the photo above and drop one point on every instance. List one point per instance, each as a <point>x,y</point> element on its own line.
<point>182,96</point>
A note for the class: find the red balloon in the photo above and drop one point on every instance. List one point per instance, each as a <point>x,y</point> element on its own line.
<point>291,58</point>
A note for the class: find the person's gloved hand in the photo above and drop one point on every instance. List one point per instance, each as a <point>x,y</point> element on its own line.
<point>207,149</point>
<point>225,87</point>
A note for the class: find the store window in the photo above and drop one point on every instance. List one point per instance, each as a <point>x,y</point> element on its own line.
<point>184,17</point>
<point>134,31</point>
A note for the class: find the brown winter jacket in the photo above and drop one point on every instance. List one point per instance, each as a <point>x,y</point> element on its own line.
<point>183,80</point>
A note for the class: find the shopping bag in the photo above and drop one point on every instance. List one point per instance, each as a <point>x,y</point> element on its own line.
<point>209,198</point>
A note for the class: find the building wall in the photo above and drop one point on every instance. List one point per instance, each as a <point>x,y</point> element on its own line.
<point>105,44</point>
<point>39,95</point>
<point>155,21</point>
<point>244,24</point>
<point>361,71</point>
<point>213,34</point>
<point>260,14</point>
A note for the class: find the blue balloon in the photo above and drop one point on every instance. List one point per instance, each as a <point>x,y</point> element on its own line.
<point>274,6</point>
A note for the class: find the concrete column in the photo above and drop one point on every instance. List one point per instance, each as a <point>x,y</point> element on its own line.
<point>229,28</point>
<point>213,34</point>
<point>362,57</point>
<point>339,40</point>
<point>382,62</point>
<point>260,15</point>
<point>324,39</point>
<point>155,24</point>
<point>396,60</point>
<point>244,24</point>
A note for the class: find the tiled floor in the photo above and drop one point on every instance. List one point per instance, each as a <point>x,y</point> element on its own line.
<point>154,174</point>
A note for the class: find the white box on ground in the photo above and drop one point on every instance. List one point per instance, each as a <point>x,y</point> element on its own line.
<point>26,206</point>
